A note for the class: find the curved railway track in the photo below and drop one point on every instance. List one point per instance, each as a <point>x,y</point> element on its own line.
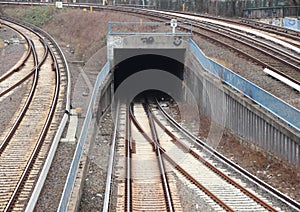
<point>26,143</point>
<point>147,188</point>
<point>222,193</point>
<point>267,53</point>
<point>292,34</point>
<point>270,54</point>
<point>147,185</point>
<point>283,60</point>
<point>25,68</point>
<point>221,187</point>
<point>176,138</point>
<point>268,50</point>
<point>24,58</point>
<point>217,164</point>
<point>285,34</point>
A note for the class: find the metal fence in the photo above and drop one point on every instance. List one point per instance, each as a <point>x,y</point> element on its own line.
<point>63,205</point>
<point>133,28</point>
<point>271,12</point>
<point>274,105</point>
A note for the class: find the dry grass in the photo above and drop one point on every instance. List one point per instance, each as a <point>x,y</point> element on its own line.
<point>85,32</point>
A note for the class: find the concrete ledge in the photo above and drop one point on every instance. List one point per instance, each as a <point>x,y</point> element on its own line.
<point>72,128</point>
<point>79,62</point>
<point>75,198</point>
<point>102,102</point>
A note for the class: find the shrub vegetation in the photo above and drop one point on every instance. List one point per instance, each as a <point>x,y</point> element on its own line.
<point>34,15</point>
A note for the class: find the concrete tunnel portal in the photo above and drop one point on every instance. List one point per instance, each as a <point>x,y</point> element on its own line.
<point>130,61</point>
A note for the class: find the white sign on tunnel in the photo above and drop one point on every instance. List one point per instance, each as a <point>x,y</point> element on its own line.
<point>173,24</point>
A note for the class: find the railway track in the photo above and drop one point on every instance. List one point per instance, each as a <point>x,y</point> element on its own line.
<point>267,53</point>
<point>145,185</point>
<point>139,183</point>
<point>22,62</point>
<point>25,68</point>
<point>272,65</point>
<point>169,126</point>
<point>232,190</point>
<point>284,32</point>
<point>247,38</point>
<point>270,50</point>
<point>25,144</point>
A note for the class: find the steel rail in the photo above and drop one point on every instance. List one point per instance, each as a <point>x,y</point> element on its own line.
<point>286,199</point>
<point>240,34</point>
<point>292,34</point>
<point>41,138</point>
<point>186,148</point>
<point>111,162</point>
<point>16,124</point>
<point>41,180</point>
<point>163,175</point>
<point>21,81</point>
<point>253,58</point>
<point>180,169</point>
<point>289,33</point>
<point>268,51</point>
<point>38,31</point>
<point>13,130</point>
<point>128,183</point>
<point>29,49</point>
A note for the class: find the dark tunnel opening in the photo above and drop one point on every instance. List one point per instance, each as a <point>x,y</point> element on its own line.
<point>129,62</point>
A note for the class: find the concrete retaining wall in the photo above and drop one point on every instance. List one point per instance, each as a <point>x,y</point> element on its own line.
<point>243,117</point>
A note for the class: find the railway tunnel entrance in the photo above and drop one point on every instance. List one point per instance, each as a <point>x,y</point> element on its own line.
<point>129,62</point>
<point>151,57</point>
